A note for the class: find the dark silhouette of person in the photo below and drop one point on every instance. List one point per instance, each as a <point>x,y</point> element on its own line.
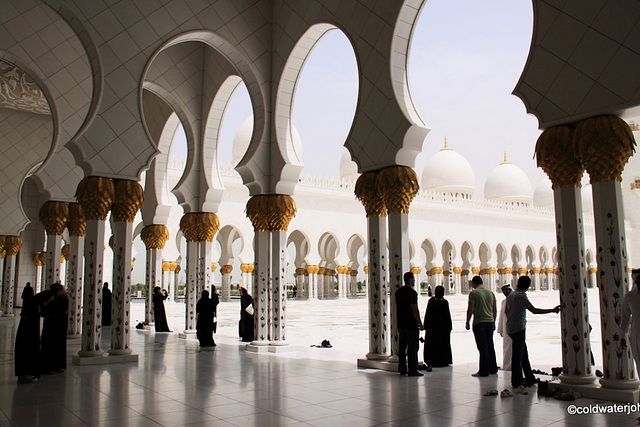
<point>106,305</point>
<point>205,311</point>
<point>27,348</point>
<point>159,314</point>
<point>437,327</point>
<point>246,316</point>
<point>27,293</point>
<point>409,326</point>
<point>55,310</point>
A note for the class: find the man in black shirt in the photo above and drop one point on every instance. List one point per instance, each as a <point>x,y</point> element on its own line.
<point>409,325</point>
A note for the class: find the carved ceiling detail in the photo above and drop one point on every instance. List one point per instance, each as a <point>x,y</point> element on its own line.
<point>19,92</point>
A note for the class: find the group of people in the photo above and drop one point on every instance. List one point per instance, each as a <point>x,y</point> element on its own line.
<point>482,309</point>
<point>41,353</point>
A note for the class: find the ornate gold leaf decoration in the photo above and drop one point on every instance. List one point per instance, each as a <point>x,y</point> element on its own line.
<point>398,185</point>
<point>54,217</point>
<point>555,156</point>
<point>154,236</point>
<point>96,195</point>
<point>129,198</point>
<point>367,193</point>
<point>77,225</point>
<point>271,212</point>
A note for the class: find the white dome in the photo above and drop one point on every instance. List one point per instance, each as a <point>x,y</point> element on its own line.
<point>543,194</point>
<point>348,168</point>
<point>508,183</point>
<point>449,172</point>
<point>243,138</point>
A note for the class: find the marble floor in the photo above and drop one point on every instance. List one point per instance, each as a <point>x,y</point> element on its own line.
<point>176,384</point>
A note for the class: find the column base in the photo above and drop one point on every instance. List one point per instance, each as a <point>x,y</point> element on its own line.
<point>90,353</point>
<point>187,334</point>
<point>8,315</point>
<point>571,380</point>
<point>119,352</point>
<point>73,337</point>
<point>380,364</point>
<point>377,356</point>
<point>393,358</point>
<point>619,384</point>
<point>104,359</point>
<point>593,391</point>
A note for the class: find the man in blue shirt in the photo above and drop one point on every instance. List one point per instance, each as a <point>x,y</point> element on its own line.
<point>517,306</point>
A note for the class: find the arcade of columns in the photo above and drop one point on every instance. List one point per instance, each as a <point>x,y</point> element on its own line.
<point>600,145</point>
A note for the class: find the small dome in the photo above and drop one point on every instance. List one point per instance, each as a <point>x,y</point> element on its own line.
<point>243,138</point>
<point>449,172</point>
<point>543,194</point>
<point>348,168</point>
<point>508,183</point>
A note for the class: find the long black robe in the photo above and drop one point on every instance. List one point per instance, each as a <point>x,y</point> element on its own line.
<point>160,316</point>
<point>27,349</point>
<point>246,319</point>
<point>206,311</point>
<point>106,307</point>
<point>437,326</point>
<point>54,334</point>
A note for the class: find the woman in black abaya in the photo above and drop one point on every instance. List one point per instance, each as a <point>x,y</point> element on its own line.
<point>55,310</point>
<point>159,314</point>
<point>206,311</point>
<point>27,349</point>
<point>437,326</point>
<point>246,316</point>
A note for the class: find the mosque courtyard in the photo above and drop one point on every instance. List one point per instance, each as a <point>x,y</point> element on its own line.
<point>176,384</point>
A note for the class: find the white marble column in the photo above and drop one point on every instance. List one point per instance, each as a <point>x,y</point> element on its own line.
<point>262,244</point>
<point>12,247</point>
<point>278,293</point>
<point>320,289</point>
<point>121,298</point>
<point>54,217</point>
<point>398,265</point>
<point>191,287</point>
<point>377,287</point>
<point>225,271</point>
<point>154,237</point>
<point>312,281</point>
<point>74,278</point>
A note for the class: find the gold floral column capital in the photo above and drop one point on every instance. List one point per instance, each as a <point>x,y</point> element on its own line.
<point>367,193</point>
<point>398,186</point>
<point>199,226</point>
<point>604,145</point>
<point>271,212</point>
<point>12,245</point>
<point>416,270</point>
<point>54,217</point>
<point>64,254</point>
<point>226,269</point>
<point>96,195</point>
<point>555,156</point>
<point>129,198</point>
<point>3,249</point>
<point>154,236</point>
<point>76,224</point>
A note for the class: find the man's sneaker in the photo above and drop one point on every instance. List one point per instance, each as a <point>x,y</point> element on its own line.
<point>506,393</point>
<point>522,390</point>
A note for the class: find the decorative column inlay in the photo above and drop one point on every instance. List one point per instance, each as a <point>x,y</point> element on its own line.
<point>12,245</point>
<point>95,195</point>
<point>226,270</point>
<point>604,145</point>
<point>270,216</point>
<point>129,198</point>
<point>54,217</point>
<point>555,156</point>
<point>367,192</point>
<point>77,227</point>
<point>154,237</point>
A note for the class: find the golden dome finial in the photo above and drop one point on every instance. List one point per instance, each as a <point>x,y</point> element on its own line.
<point>505,161</point>
<point>446,144</point>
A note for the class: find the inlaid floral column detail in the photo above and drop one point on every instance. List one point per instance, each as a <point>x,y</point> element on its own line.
<point>312,271</point>
<point>367,192</point>
<point>300,283</point>
<point>77,227</point>
<point>342,270</point>
<point>199,228</point>
<point>175,274</point>
<point>54,217</point>
<point>154,237</point>
<point>3,254</point>
<point>129,198</point>
<point>270,216</point>
<point>95,195</point>
<point>226,270</point>
<point>555,156</point>
<point>12,245</point>
<point>604,145</point>
<point>37,261</point>
<point>320,280</point>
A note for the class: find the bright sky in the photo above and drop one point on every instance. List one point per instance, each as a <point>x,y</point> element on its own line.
<point>466,58</point>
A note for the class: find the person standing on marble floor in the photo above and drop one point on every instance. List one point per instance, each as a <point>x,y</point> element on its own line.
<point>517,305</point>
<point>205,311</point>
<point>27,347</point>
<point>502,330</point>
<point>437,327</point>
<point>159,313</point>
<point>53,342</point>
<point>409,326</point>
<point>106,305</point>
<point>482,306</point>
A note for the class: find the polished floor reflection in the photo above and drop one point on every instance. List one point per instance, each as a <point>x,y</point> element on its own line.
<point>175,384</point>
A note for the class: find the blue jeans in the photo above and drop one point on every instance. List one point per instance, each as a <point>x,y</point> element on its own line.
<point>483,333</point>
<point>520,360</point>
<point>408,349</point>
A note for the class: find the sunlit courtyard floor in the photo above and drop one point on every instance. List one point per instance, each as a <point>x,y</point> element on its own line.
<point>174,383</point>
